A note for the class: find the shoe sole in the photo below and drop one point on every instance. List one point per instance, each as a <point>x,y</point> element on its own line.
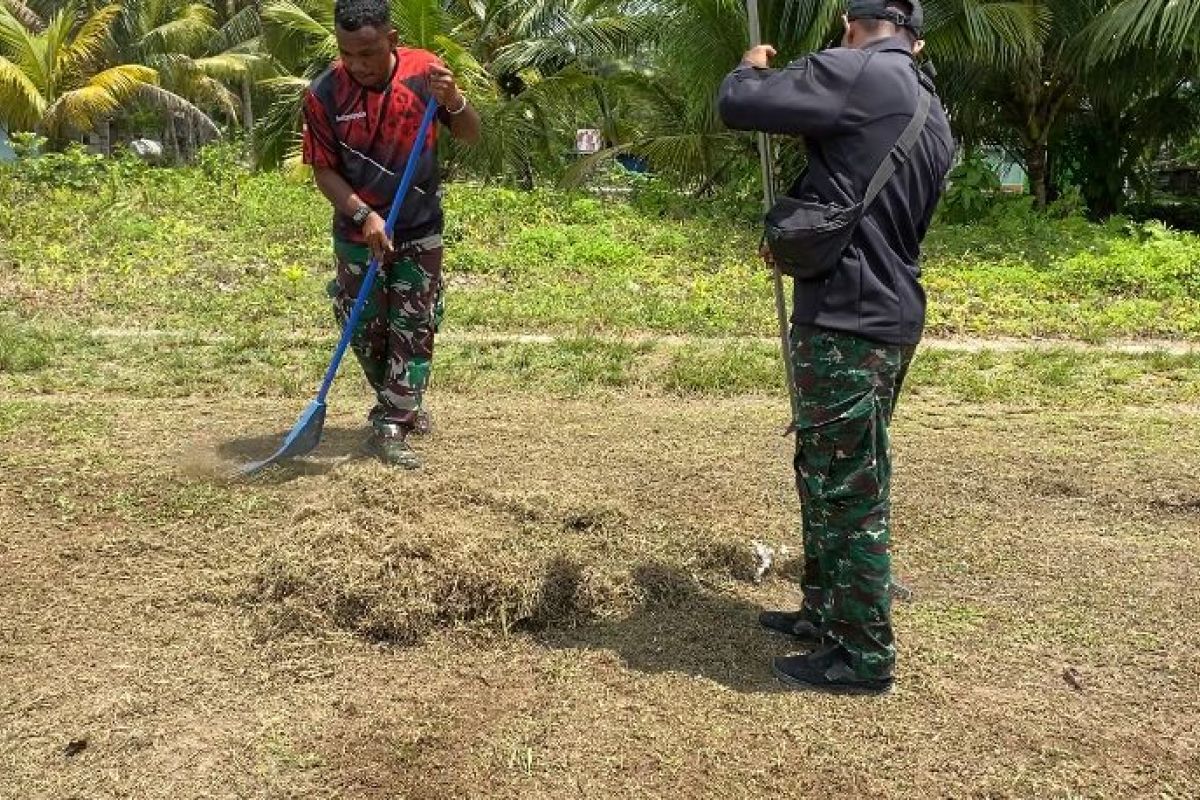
<point>793,682</point>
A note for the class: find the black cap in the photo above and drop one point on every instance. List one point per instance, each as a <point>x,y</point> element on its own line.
<point>886,10</point>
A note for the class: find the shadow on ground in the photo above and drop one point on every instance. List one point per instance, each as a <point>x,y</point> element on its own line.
<point>683,627</point>
<point>338,446</point>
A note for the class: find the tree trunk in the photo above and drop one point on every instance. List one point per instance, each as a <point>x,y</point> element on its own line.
<point>247,107</point>
<point>527,180</point>
<point>1037,164</point>
<point>171,143</point>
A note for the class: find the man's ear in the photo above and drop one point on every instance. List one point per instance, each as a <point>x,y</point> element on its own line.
<point>394,38</point>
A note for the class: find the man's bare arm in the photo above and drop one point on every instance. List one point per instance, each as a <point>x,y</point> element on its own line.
<point>343,198</point>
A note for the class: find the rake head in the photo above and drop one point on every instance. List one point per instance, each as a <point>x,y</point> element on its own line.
<point>303,439</point>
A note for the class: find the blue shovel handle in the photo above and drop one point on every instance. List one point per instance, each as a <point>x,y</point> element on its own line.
<point>368,282</point>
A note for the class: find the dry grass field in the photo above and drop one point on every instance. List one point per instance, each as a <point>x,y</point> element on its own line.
<point>561,604</point>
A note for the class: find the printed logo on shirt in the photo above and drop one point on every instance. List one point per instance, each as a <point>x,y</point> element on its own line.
<point>352,117</point>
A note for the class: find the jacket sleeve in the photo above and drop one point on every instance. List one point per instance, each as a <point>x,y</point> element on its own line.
<point>806,98</point>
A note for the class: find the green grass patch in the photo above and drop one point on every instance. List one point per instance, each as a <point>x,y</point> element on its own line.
<point>249,254</point>
<point>258,366</point>
<point>22,348</point>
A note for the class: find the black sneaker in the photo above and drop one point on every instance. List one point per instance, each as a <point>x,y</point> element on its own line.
<point>791,623</point>
<point>393,449</point>
<point>826,670</point>
<point>422,424</point>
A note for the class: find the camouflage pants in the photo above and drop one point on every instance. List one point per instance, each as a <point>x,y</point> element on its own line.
<point>848,388</point>
<point>394,339</point>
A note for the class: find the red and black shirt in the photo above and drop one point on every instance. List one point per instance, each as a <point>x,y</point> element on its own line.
<point>367,134</point>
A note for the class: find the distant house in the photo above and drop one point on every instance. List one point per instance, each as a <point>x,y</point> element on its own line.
<point>6,151</point>
<point>1180,179</point>
<point>1011,174</point>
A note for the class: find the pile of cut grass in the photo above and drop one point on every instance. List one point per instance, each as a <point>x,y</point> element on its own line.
<point>376,561</point>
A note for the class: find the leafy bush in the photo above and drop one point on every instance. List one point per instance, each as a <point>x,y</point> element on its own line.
<point>1182,213</point>
<point>73,168</point>
<point>1070,203</point>
<point>223,161</point>
<point>974,186</point>
<point>27,144</point>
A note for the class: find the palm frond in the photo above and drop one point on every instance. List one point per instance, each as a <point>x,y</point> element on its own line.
<point>419,22</point>
<point>50,44</point>
<point>172,103</point>
<point>469,73</point>
<point>297,19</point>
<point>21,104</point>
<point>986,32</point>
<point>212,93</point>
<point>277,134</point>
<point>28,51</point>
<point>298,35</point>
<point>242,27</point>
<point>187,32</point>
<point>102,95</point>
<point>226,66</point>
<point>88,45</point>
<point>571,40</point>
<point>1170,26</point>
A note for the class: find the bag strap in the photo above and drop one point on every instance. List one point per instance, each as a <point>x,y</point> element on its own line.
<point>902,148</point>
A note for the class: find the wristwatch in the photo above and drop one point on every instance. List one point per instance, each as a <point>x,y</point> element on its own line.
<point>361,213</point>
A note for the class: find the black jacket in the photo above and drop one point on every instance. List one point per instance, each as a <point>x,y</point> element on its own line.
<point>851,106</point>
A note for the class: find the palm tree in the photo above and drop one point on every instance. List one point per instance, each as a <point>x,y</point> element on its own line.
<point>548,66</point>
<point>298,39</point>
<point>1171,27</point>
<point>661,106</point>
<point>509,56</point>
<point>58,80</point>
<point>698,41</point>
<point>1034,76</point>
<point>196,61</point>
<point>1123,125</point>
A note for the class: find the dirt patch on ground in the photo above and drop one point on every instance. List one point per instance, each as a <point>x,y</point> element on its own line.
<point>559,606</point>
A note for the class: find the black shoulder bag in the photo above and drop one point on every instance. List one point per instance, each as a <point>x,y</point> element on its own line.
<point>807,238</point>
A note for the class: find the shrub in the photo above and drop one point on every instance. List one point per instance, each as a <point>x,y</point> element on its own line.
<point>974,186</point>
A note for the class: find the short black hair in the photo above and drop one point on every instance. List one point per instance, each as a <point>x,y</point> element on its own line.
<point>350,15</point>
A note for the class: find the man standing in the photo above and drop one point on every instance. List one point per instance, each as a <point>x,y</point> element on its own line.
<point>361,118</point>
<point>854,331</point>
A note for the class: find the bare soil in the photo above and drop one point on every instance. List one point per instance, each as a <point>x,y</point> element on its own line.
<point>560,605</point>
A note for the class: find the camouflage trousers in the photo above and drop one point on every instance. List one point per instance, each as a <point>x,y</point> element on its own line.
<point>394,339</point>
<point>848,388</point>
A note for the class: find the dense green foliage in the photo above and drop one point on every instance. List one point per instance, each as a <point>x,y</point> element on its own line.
<point>1083,93</point>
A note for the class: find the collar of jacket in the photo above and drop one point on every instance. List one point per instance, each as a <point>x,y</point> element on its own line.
<point>890,44</point>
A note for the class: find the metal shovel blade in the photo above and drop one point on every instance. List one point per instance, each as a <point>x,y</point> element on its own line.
<point>303,439</point>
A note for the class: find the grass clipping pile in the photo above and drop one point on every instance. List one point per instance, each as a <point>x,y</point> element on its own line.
<point>382,563</point>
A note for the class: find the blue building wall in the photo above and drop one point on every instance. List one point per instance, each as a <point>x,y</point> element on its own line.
<point>6,151</point>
